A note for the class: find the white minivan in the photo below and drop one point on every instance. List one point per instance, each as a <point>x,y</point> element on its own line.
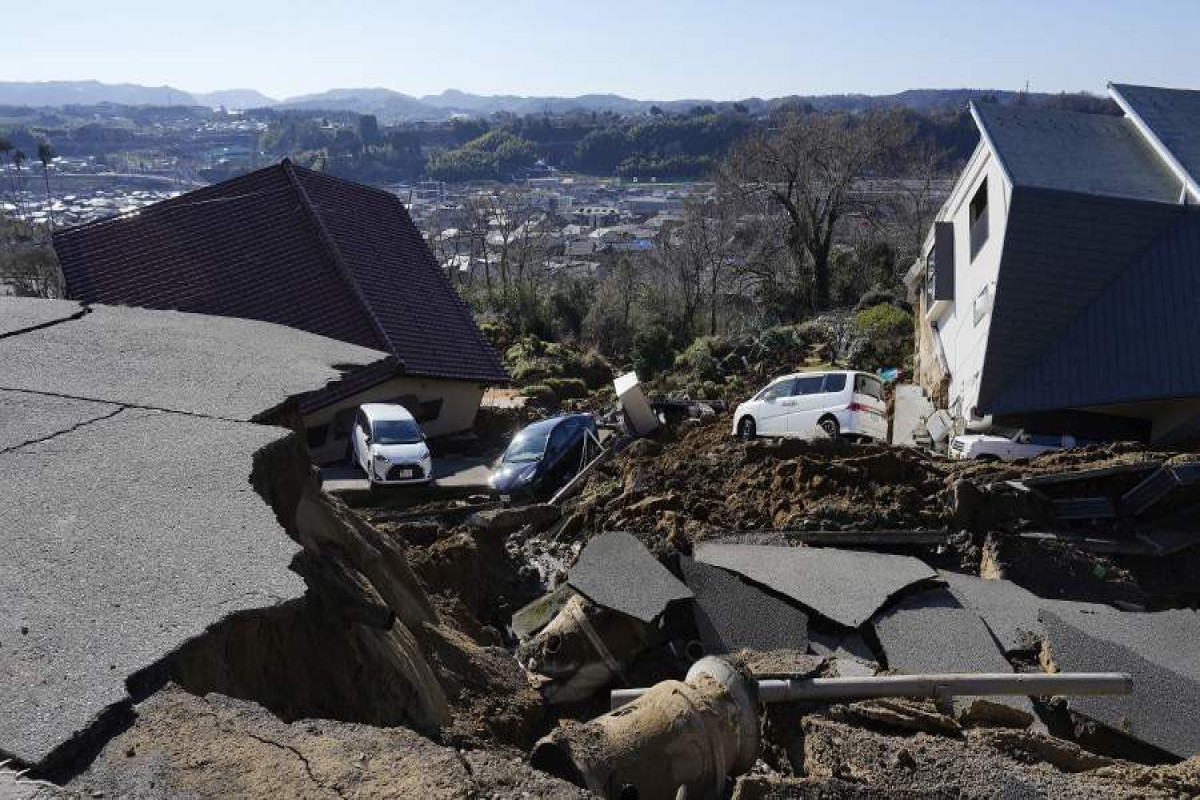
<point>843,403</point>
<point>389,446</point>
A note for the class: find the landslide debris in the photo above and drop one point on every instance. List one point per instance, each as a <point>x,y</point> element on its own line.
<point>213,746</point>
<point>706,481</point>
<point>842,760</point>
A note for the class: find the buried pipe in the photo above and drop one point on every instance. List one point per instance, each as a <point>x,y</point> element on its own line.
<point>935,686</point>
<point>679,739</point>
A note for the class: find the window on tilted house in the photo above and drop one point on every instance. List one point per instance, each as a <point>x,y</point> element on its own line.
<point>979,218</point>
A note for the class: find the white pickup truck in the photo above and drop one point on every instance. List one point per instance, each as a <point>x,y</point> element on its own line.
<point>996,447</point>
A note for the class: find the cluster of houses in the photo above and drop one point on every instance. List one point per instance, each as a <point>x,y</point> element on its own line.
<point>573,220</point>
<point>1059,289</point>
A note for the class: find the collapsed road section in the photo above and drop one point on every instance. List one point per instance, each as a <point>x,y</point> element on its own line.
<point>162,525</point>
<point>130,526</point>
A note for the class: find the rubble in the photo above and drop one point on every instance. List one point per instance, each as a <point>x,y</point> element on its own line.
<point>617,572</point>
<point>926,634</point>
<point>1160,650</point>
<point>731,614</point>
<point>266,638</point>
<point>845,586</point>
<point>843,760</point>
<point>584,649</point>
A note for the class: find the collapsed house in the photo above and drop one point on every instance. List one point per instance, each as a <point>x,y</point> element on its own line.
<point>303,249</point>
<point>1058,285</point>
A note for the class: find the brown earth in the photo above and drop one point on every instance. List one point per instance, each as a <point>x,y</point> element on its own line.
<point>839,759</point>
<point>185,745</point>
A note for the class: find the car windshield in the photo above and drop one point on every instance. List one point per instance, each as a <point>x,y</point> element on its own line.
<point>396,431</point>
<point>530,445</point>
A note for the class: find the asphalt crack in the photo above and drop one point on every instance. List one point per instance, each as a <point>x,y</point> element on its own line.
<point>83,311</point>
<point>64,431</point>
<point>136,406</point>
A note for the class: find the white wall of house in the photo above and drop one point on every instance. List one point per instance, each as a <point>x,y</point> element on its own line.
<point>962,325</point>
<point>460,403</point>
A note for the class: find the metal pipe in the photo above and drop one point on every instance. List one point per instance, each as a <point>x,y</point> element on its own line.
<point>936,686</point>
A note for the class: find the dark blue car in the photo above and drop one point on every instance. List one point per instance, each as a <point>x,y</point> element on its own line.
<point>544,456</point>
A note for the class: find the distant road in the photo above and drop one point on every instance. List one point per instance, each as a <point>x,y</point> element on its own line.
<point>161,180</point>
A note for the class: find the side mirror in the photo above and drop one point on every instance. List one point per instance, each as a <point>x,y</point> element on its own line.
<point>368,438</point>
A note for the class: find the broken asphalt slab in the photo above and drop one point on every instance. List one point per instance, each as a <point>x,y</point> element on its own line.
<point>1160,650</point>
<point>121,541</point>
<point>927,634</point>
<point>616,571</point>
<point>1010,611</point>
<point>845,586</point>
<point>731,614</point>
<point>210,366</point>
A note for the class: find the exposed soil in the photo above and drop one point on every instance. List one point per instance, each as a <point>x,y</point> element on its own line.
<point>839,759</point>
<point>185,745</point>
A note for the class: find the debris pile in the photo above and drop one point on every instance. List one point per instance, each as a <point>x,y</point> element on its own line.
<point>192,615</point>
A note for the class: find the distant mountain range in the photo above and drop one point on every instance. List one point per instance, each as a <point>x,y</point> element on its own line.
<point>392,106</point>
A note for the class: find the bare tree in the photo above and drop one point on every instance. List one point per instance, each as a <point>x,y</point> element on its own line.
<point>45,155</point>
<point>808,169</point>
<point>6,147</point>
<point>18,158</point>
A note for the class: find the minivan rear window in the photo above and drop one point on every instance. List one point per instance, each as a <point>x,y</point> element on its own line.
<point>865,384</point>
<point>834,382</point>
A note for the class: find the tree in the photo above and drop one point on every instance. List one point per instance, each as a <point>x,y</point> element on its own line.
<point>18,158</point>
<point>45,155</point>
<point>6,147</point>
<point>809,169</point>
<point>368,129</point>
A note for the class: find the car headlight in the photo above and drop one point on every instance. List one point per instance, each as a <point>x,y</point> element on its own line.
<point>380,458</point>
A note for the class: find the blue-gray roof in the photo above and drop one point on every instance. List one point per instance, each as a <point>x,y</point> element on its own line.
<point>1097,302</point>
<point>1137,339</point>
<point>1068,150</point>
<point>1174,117</point>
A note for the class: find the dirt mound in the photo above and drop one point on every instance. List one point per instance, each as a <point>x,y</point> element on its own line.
<point>847,760</point>
<point>187,746</point>
<point>706,482</point>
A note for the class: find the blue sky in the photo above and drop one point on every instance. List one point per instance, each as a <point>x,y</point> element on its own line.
<point>647,49</point>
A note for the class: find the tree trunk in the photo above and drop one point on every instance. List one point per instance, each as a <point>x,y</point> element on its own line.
<point>49,202</point>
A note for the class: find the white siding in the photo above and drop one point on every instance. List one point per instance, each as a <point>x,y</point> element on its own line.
<point>963,340</point>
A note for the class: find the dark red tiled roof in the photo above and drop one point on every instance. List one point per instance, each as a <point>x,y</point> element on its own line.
<point>292,246</point>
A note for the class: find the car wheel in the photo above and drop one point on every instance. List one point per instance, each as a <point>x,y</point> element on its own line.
<point>747,428</point>
<point>830,426</point>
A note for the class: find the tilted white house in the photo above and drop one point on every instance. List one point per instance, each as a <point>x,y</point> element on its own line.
<point>1059,289</point>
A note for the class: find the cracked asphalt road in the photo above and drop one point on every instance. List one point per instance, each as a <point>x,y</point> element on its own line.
<point>130,525</point>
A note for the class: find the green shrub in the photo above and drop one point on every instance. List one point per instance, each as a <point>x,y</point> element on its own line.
<point>565,388</point>
<point>884,321</point>
<point>541,395</point>
<point>595,370</point>
<point>699,360</point>
<point>653,351</point>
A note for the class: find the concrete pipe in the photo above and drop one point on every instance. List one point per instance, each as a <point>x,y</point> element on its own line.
<point>679,739</point>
